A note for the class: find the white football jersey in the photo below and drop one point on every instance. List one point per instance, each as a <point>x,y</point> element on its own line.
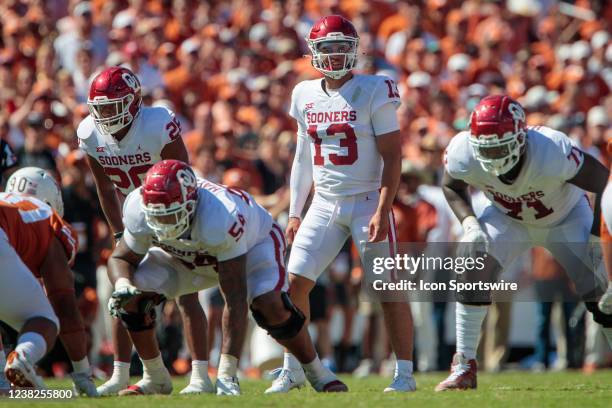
<point>541,195</point>
<point>227,223</point>
<point>338,126</point>
<point>126,162</point>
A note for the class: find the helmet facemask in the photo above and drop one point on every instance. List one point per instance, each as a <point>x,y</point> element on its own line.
<point>169,223</point>
<point>334,46</point>
<point>111,115</point>
<point>498,155</point>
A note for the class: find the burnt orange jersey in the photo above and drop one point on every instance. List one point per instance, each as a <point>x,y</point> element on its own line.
<point>30,226</point>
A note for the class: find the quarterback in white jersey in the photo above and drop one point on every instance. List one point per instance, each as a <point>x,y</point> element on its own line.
<point>535,179</point>
<point>349,144</point>
<point>204,234</point>
<point>123,140</point>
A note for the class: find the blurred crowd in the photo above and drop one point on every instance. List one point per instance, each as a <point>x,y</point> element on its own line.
<point>227,69</point>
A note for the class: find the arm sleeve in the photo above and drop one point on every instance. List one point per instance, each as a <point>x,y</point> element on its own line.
<point>384,120</point>
<point>300,181</point>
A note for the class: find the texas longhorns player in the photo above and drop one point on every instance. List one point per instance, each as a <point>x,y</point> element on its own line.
<point>35,243</point>
<point>535,179</point>
<point>349,143</point>
<point>123,140</point>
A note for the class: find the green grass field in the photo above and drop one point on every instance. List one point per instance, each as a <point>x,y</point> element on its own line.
<point>517,389</point>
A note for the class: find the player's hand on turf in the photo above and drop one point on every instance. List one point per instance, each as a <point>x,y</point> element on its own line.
<point>120,297</point>
<point>605,303</point>
<point>292,227</point>
<point>474,239</point>
<point>84,385</point>
<point>378,227</point>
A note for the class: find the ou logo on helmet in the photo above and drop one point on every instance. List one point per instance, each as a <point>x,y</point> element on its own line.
<point>131,81</point>
<point>186,178</point>
<point>517,112</point>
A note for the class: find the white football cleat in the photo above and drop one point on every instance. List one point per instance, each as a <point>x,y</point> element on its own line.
<point>286,381</point>
<point>402,383</point>
<point>112,387</point>
<point>147,387</point>
<point>227,386</point>
<point>21,373</point>
<point>199,387</point>
<point>84,385</point>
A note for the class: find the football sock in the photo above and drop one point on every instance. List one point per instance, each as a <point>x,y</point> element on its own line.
<point>199,370</point>
<point>291,363</point>
<point>81,366</point>
<point>403,367</point>
<point>228,366</point>
<point>155,370</point>
<point>315,371</point>
<point>469,322</point>
<point>31,345</point>
<point>121,372</point>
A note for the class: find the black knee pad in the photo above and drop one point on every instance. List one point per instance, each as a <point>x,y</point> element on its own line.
<point>286,330</point>
<point>600,317</point>
<point>144,319</point>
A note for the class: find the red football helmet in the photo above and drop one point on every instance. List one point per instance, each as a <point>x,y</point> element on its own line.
<point>331,37</point>
<point>498,133</point>
<point>169,198</point>
<point>114,99</point>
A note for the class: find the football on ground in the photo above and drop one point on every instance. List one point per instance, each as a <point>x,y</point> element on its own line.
<point>516,389</point>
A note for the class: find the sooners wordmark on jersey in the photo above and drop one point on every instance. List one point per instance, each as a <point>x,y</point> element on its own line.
<point>337,125</point>
<point>30,225</point>
<point>126,162</point>
<point>541,195</point>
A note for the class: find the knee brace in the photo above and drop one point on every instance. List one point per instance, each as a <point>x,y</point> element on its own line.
<point>144,318</point>
<point>286,330</point>
<point>600,317</point>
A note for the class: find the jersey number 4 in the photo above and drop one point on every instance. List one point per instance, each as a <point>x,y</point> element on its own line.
<point>350,142</point>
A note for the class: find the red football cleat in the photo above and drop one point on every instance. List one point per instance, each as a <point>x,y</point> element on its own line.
<point>335,386</point>
<point>463,375</point>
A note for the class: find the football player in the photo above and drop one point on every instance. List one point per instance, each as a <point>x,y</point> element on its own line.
<point>535,179</point>
<point>349,143</point>
<point>36,243</point>
<point>605,303</point>
<point>210,234</point>
<point>123,140</point>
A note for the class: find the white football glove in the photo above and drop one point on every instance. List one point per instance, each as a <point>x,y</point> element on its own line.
<point>605,303</point>
<point>227,386</point>
<point>124,291</point>
<point>84,385</point>
<point>474,239</point>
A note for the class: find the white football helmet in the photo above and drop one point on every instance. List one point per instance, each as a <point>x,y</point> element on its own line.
<point>37,182</point>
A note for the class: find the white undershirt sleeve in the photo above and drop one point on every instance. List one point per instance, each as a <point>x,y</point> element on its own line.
<point>300,181</point>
